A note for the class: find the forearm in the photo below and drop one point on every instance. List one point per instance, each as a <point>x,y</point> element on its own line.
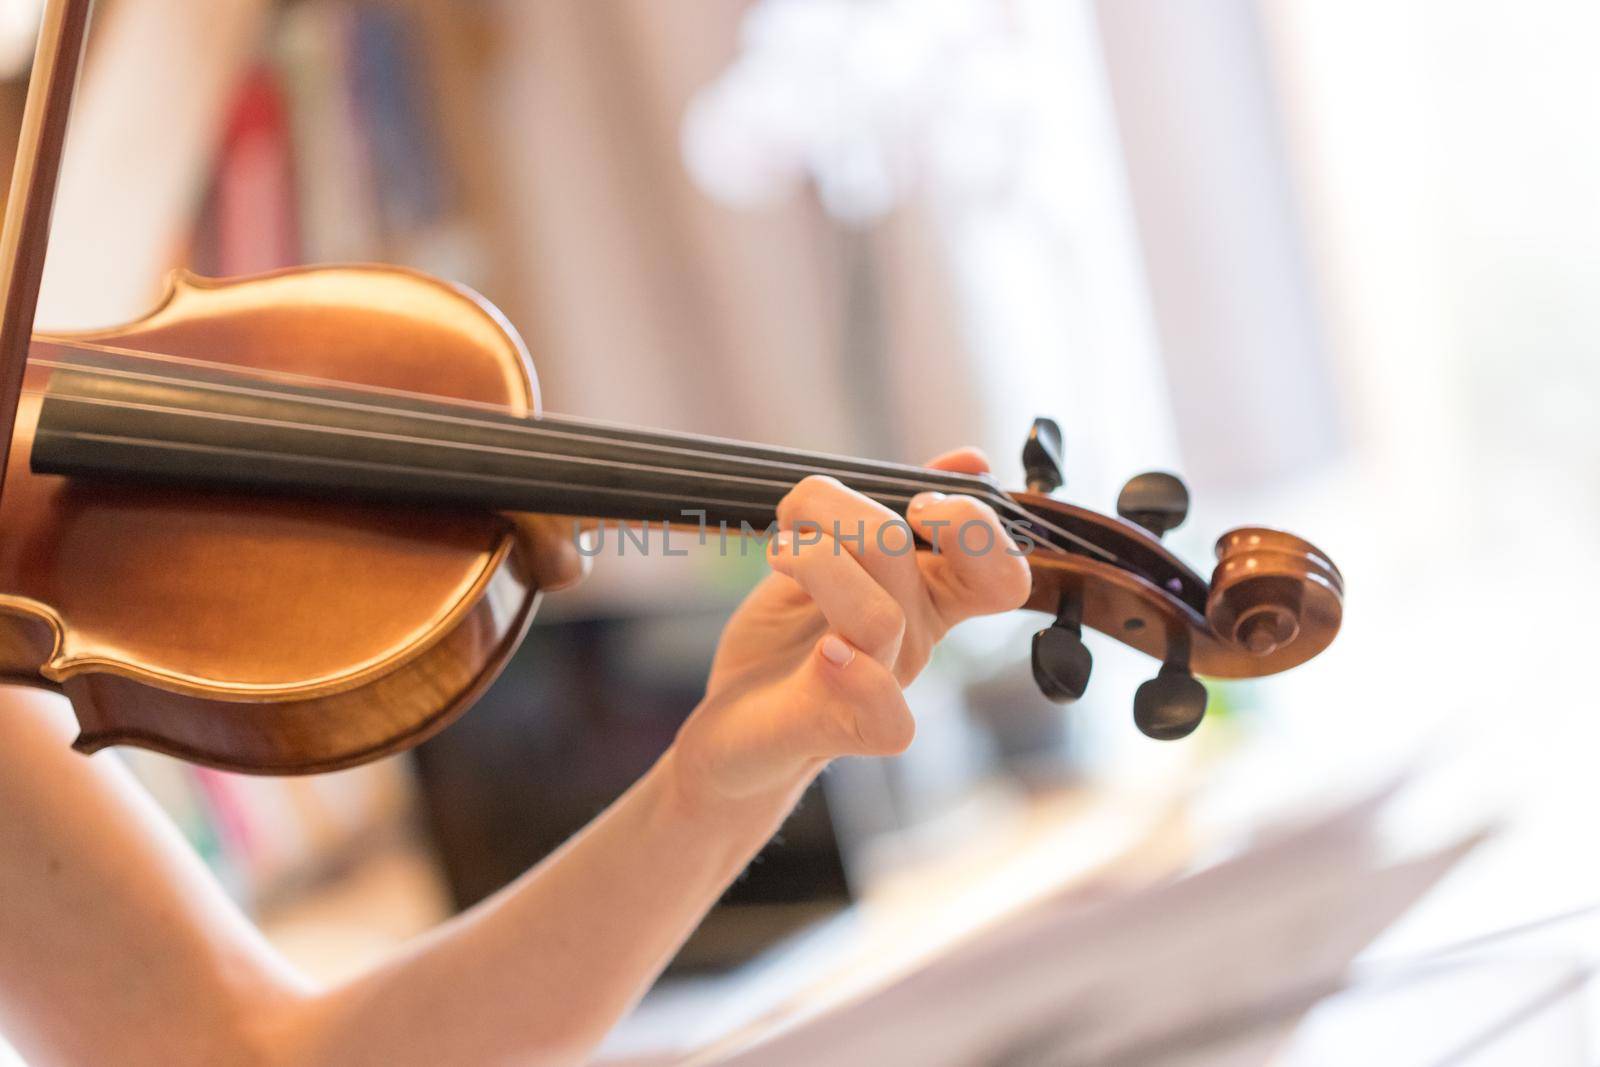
<point>540,972</point>
<point>110,925</point>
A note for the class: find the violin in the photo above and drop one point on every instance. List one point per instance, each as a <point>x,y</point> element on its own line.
<point>278,524</point>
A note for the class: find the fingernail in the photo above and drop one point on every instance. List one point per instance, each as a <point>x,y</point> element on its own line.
<point>922,500</point>
<point>836,651</point>
<point>782,541</point>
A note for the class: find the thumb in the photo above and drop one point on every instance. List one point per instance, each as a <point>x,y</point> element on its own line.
<point>838,702</point>
<point>843,702</point>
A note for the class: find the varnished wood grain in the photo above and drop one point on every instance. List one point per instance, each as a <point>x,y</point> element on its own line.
<point>1298,578</point>
<point>260,633</point>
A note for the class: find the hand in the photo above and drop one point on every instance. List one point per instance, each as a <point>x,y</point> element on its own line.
<point>812,664</point>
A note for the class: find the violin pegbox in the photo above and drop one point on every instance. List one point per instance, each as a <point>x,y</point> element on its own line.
<point>1274,600</point>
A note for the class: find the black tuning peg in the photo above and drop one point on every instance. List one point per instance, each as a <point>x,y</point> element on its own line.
<point>1155,500</point>
<point>1170,705</point>
<point>1041,457</point>
<point>1061,661</point>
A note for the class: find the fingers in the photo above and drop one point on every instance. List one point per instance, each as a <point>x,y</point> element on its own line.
<point>878,538</point>
<point>967,460</point>
<point>838,701</point>
<point>855,606</point>
<point>849,704</point>
<point>549,546</point>
<point>975,568</point>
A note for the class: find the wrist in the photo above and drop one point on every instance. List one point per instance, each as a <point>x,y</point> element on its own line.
<point>692,789</point>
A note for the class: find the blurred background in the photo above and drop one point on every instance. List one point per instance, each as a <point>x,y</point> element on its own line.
<point>1336,264</point>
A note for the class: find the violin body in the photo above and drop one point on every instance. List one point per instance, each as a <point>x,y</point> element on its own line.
<point>255,632</point>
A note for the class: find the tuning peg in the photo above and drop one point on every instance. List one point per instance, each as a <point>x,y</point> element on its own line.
<point>1155,500</point>
<point>1170,705</point>
<point>1061,661</point>
<point>1041,457</point>
<point>1061,664</point>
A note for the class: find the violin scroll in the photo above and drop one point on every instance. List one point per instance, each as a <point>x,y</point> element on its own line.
<point>1268,588</point>
<point>1274,600</point>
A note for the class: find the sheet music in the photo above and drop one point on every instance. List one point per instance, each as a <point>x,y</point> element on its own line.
<point>1214,968</point>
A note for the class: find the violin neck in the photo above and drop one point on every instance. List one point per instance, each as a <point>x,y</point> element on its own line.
<point>113,416</point>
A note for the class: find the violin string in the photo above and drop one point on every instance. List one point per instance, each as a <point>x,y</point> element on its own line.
<point>979,487</point>
<point>541,427</point>
<point>902,499</point>
<point>237,451</point>
<point>505,411</point>
<point>400,438</point>
<point>266,374</point>
<point>550,426</point>
<point>522,480</point>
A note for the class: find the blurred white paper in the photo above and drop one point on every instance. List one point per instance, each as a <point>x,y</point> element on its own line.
<point>1149,976</point>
